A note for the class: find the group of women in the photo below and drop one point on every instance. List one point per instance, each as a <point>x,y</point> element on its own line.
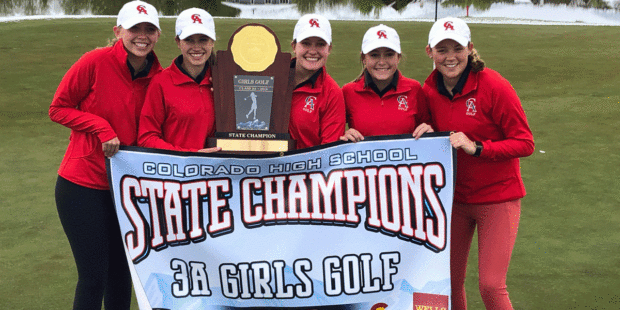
<point>120,95</point>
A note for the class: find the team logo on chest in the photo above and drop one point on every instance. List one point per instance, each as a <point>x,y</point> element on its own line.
<point>309,106</point>
<point>402,103</point>
<point>471,107</point>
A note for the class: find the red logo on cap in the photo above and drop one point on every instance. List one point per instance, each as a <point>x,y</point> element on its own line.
<point>141,9</point>
<point>448,26</point>
<point>381,34</point>
<point>314,23</point>
<point>196,18</point>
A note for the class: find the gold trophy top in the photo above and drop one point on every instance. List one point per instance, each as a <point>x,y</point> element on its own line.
<point>254,48</point>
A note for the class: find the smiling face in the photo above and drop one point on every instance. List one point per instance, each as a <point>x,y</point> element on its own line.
<point>311,53</point>
<point>381,63</point>
<point>450,59</point>
<point>138,40</point>
<point>196,50</point>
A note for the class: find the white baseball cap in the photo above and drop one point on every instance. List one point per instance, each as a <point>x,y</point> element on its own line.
<point>193,21</point>
<point>449,28</point>
<point>313,25</point>
<point>381,36</point>
<point>135,12</point>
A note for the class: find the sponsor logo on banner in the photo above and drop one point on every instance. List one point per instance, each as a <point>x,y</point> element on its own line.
<point>379,306</point>
<point>424,301</point>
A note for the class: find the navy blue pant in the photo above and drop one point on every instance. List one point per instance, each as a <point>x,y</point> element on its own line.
<point>90,223</point>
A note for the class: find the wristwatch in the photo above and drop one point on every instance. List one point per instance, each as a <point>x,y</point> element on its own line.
<point>478,148</point>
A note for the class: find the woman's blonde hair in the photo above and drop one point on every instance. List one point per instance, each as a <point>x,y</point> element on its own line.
<point>112,41</point>
<point>212,59</point>
<point>363,68</point>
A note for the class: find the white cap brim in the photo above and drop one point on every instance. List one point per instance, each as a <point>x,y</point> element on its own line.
<point>463,41</point>
<point>313,33</point>
<point>196,29</point>
<point>139,19</point>
<point>378,44</point>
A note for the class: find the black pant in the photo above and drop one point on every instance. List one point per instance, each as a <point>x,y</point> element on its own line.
<point>90,223</point>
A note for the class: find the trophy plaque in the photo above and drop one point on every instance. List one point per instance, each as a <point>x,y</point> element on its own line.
<point>252,91</point>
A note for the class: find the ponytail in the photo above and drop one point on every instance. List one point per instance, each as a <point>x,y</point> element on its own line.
<point>477,64</point>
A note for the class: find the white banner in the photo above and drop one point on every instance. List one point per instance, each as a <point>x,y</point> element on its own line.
<point>344,226</point>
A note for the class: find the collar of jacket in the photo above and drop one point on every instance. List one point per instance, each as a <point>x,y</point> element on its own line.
<point>470,83</point>
<point>369,83</point>
<point>180,76</point>
<point>401,87</point>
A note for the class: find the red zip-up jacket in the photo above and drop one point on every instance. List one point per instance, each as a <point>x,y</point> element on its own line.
<point>398,111</point>
<point>98,100</point>
<point>178,113</point>
<point>487,110</point>
<point>317,113</point>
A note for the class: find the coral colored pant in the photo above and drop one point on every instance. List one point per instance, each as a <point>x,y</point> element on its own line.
<point>497,231</point>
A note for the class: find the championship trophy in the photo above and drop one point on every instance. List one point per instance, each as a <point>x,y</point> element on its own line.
<point>252,91</point>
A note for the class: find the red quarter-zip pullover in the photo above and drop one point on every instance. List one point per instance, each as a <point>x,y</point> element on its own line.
<point>178,113</point>
<point>317,112</point>
<point>487,110</point>
<point>98,100</point>
<point>398,111</point>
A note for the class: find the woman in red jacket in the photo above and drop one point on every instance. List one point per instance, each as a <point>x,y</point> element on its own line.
<point>99,99</point>
<point>490,133</point>
<point>317,111</point>
<point>381,101</point>
<point>178,112</point>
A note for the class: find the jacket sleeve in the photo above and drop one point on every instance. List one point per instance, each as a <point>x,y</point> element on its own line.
<point>507,113</point>
<point>333,120</point>
<point>66,108</point>
<point>152,118</point>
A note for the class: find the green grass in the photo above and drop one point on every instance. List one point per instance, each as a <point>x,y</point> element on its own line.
<point>567,254</point>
